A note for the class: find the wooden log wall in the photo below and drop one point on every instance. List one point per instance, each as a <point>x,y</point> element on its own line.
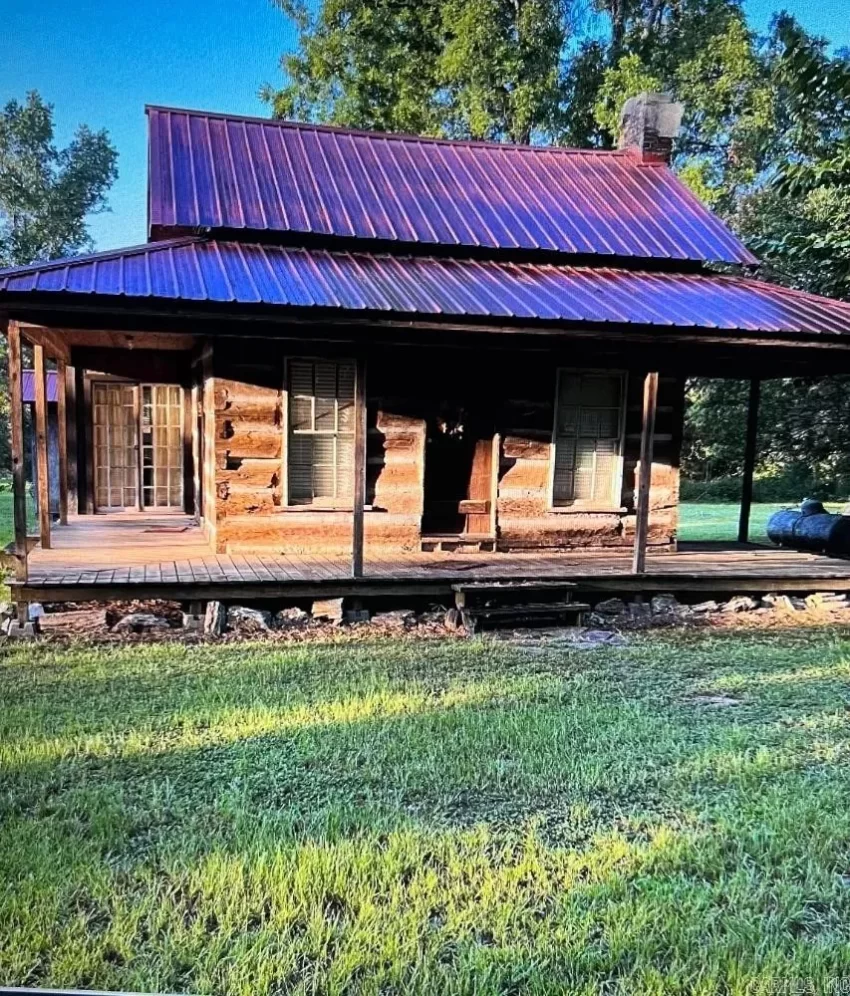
<point>526,418</point>
<point>248,429</point>
<point>245,441</point>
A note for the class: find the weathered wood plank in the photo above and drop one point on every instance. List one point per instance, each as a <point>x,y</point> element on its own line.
<point>359,466</point>
<point>43,474</point>
<point>650,401</point>
<point>749,461</point>
<point>19,480</point>
<point>62,436</point>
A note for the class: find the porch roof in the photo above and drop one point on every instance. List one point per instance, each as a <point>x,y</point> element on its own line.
<point>200,270</point>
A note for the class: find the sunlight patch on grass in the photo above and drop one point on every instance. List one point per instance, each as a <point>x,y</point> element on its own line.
<point>425,818</point>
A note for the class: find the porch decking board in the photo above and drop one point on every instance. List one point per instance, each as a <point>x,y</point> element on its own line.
<point>114,556</point>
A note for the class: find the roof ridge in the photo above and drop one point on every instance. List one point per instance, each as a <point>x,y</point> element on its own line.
<point>93,257</point>
<point>398,136</point>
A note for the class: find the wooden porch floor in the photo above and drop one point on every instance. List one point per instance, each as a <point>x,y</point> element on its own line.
<point>131,555</point>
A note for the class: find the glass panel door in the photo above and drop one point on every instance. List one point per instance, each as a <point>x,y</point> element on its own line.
<point>115,446</point>
<point>162,446</point>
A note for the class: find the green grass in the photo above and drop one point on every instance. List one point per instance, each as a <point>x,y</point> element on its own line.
<point>719,521</point>
<point>461,817</point>
<point>7,516</point>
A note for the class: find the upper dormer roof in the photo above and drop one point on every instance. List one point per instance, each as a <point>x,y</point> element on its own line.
<point>298,181</point>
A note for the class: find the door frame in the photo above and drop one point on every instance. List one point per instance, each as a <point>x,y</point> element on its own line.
<point>90,379</point>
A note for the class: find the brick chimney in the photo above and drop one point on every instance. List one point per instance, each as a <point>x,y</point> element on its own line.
<point>648,125</point>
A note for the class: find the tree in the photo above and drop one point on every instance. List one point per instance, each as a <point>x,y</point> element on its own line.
<point>527,70</point>
<point>47,193</point>
<point>460,68</point>
<point>800,221</point>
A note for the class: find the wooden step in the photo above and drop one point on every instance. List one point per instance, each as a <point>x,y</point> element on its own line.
<point>458,543</point>
<point>560,613</point>
<point>474,594</point>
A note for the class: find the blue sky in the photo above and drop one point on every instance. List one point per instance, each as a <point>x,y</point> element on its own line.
<point>100,62</point>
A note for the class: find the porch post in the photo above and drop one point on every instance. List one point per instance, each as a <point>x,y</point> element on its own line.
<point>359,467</point>
<point>749,461</point>
<point>647,439</point>
<point>72,439</point>
<point>19,478</point>
<point>41,446</point>
<point>62,434</point>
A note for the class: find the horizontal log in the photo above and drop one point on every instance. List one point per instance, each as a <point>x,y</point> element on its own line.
<point>251,474</point>
<point>237,400</point>
<point>388,421</point>
<point>238,502</point>
<point>398,501</point>
<point>247,440</point>
<point>525,448</point>
<point>397,441</point>
<point>400,474</point>
<point>526,474</point>
<point>578,524</point>
<point>320,533</point>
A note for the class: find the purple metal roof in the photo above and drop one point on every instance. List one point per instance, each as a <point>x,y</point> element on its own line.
<point>28,385</point>
<point>195,269</point>
<point>222,172</point>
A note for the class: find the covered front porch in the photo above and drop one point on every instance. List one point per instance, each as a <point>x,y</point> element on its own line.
<point>125,556</point>
<point>250,511</point>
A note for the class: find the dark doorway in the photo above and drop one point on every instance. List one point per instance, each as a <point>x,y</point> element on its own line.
<point>458,473</point>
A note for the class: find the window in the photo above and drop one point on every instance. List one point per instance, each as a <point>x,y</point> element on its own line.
<point>320,453</point>
<point>587,438</point>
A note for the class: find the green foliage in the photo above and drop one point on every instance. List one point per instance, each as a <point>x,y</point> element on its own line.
<point>765,142</point>
<point>627,78</point>
<point>427,818</point>
<point>802,442</point>
<point>465,68</point>
<point>46,195</point>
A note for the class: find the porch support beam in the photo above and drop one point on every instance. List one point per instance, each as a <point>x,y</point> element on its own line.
<point>72,438</point>
<point>749,461</point>
<point>49,339</point>
<point>359,467</point>
<point>43,475</point>
<point>62,437</point>
<point>19,479</point>
<point>644,482</point>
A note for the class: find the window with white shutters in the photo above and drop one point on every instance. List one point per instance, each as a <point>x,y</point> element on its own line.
<point>587,454</point>
<point>320,451</point>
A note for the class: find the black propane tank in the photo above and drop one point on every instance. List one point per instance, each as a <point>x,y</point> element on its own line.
<point>811,528</point>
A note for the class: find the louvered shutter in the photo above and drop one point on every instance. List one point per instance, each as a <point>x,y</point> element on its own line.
<point>588,428</point>
<point>321,431</point>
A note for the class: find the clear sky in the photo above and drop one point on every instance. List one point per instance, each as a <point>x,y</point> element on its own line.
<point>100,62</point>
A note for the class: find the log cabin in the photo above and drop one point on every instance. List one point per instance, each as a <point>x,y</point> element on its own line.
<point>349,362</point>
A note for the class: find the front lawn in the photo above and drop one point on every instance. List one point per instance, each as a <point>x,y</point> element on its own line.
<point>431,817</point>
<point>718,521</point>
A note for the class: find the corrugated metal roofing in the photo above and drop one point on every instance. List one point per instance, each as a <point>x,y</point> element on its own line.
<point>196,269</point>
<point>220,172</point>
<point>28,385</point>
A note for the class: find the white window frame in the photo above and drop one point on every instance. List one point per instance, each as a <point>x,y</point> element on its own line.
<point>614,504</point>
<point>321,504</point>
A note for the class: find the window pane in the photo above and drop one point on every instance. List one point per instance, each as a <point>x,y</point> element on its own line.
<point>301,413</point>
